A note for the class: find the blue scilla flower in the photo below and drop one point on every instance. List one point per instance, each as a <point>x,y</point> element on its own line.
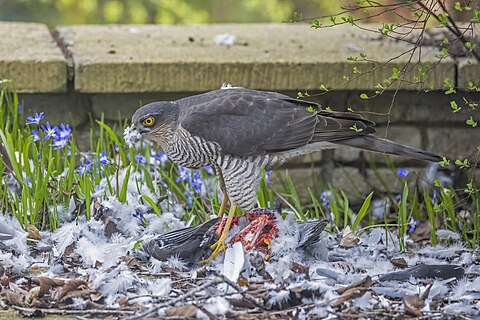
<point>209,169</point>
<point>85,167</point>
<point>139,216</point>
<point>324,196</point>
<point>50,132</point>
<point>267,176</point>
<point>401,172</point>
<point>183,174</point>
<point>103,158</point>
<point>36,137</point>
<point>412,224</point>
<point>196,182</point>
<point>189,199</point>
<point>59,144</point>
<point>64,132</point>
<point>140,159</point>
<point>35,119</point>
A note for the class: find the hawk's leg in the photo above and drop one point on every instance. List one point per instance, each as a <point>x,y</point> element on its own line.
<point>223,206</point>
<point>220,244</point>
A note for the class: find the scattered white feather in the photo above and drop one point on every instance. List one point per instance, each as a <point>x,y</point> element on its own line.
<point>447,235</point>
<point>79,303</point>
<point>65,236</point>
<point>364,302</point>
<point>218,306</point>
<point>160,287</point>
<point>131,136</point>
<point>234,262</point>
<point>17,263</point>
<point>278,298</point>
<point>463,308</point>
<point>176,263</point>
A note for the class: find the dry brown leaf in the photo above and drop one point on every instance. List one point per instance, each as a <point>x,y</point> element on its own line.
<point>412,311</point>
<point>46,284</point>
<point>12,298</point>
<point>300,268</point>
<point>414,301</point>
<point>399,262</point>
<point>33,233</point>
<point>185,311</point>
<point>350,294</point>
<point>349,238</point>
<point>110,228</point>
<point>69,250</point>
<point>131,262</point>
<point>4,281</point>
<point>68,287</point>
<point>364,283</point>
<point>32,295</point>
<point>427,292</point>
<point>123,302</point>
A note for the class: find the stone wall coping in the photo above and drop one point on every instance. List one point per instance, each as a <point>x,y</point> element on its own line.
<point>186,58</point>
<point>31,58</point>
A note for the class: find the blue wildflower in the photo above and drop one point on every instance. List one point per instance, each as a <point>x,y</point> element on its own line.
<point>36,137</point>
<point>140,159</point>
<point>209,169</point>
<point>183,175</point>
<point>162,157</point>
<point>29,182</point>
<point>267,176</point>
<point>64,132</point>
<point>50,132</point>
<point>85,167</point>
<point>19,108</point>
<point>35,119</point>
<point>434,195</point>
<point>103,158</point>
<point>196,182</point>
<point>189,199</point>
<point>402,172</point>
<point>324,196</point>
<point>59,144</point>
<point>164,185</point>
<point>139,216</point>
<point>412,223</point>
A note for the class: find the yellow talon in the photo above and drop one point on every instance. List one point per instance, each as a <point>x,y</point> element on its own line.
<point>220,244</point>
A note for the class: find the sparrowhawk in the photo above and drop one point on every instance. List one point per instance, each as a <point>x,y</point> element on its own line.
<point>240,131</point>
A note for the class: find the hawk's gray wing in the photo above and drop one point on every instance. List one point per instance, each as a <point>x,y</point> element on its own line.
<point>249,122</point>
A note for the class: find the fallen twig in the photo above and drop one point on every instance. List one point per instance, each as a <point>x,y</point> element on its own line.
<point>71,312</point>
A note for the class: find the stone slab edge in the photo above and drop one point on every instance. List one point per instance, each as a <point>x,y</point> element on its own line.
<point>119,59</point>
<point>31,58</point>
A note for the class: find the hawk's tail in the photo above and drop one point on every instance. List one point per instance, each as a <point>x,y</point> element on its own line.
<point>376,144</point>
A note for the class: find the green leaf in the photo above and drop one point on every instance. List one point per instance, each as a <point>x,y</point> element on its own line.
<point>471,122</point>
<point>442,17</point>
<point>152,204</point>
<point>114,137</point>
<point>363,211</point>
<point>363,96</point>
<point>454,106</point>
<point>122,197</point>
<point>458,6</point>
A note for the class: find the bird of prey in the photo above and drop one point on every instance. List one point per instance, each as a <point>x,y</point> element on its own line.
<point>240,131</point>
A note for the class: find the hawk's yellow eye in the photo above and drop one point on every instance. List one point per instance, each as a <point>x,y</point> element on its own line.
<point>148,121</point>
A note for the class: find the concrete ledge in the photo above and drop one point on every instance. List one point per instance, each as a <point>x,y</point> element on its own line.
<point>30,57</point>
<point>265,56</point>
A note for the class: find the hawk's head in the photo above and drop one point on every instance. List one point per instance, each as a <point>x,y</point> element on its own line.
<point>155,120</point>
